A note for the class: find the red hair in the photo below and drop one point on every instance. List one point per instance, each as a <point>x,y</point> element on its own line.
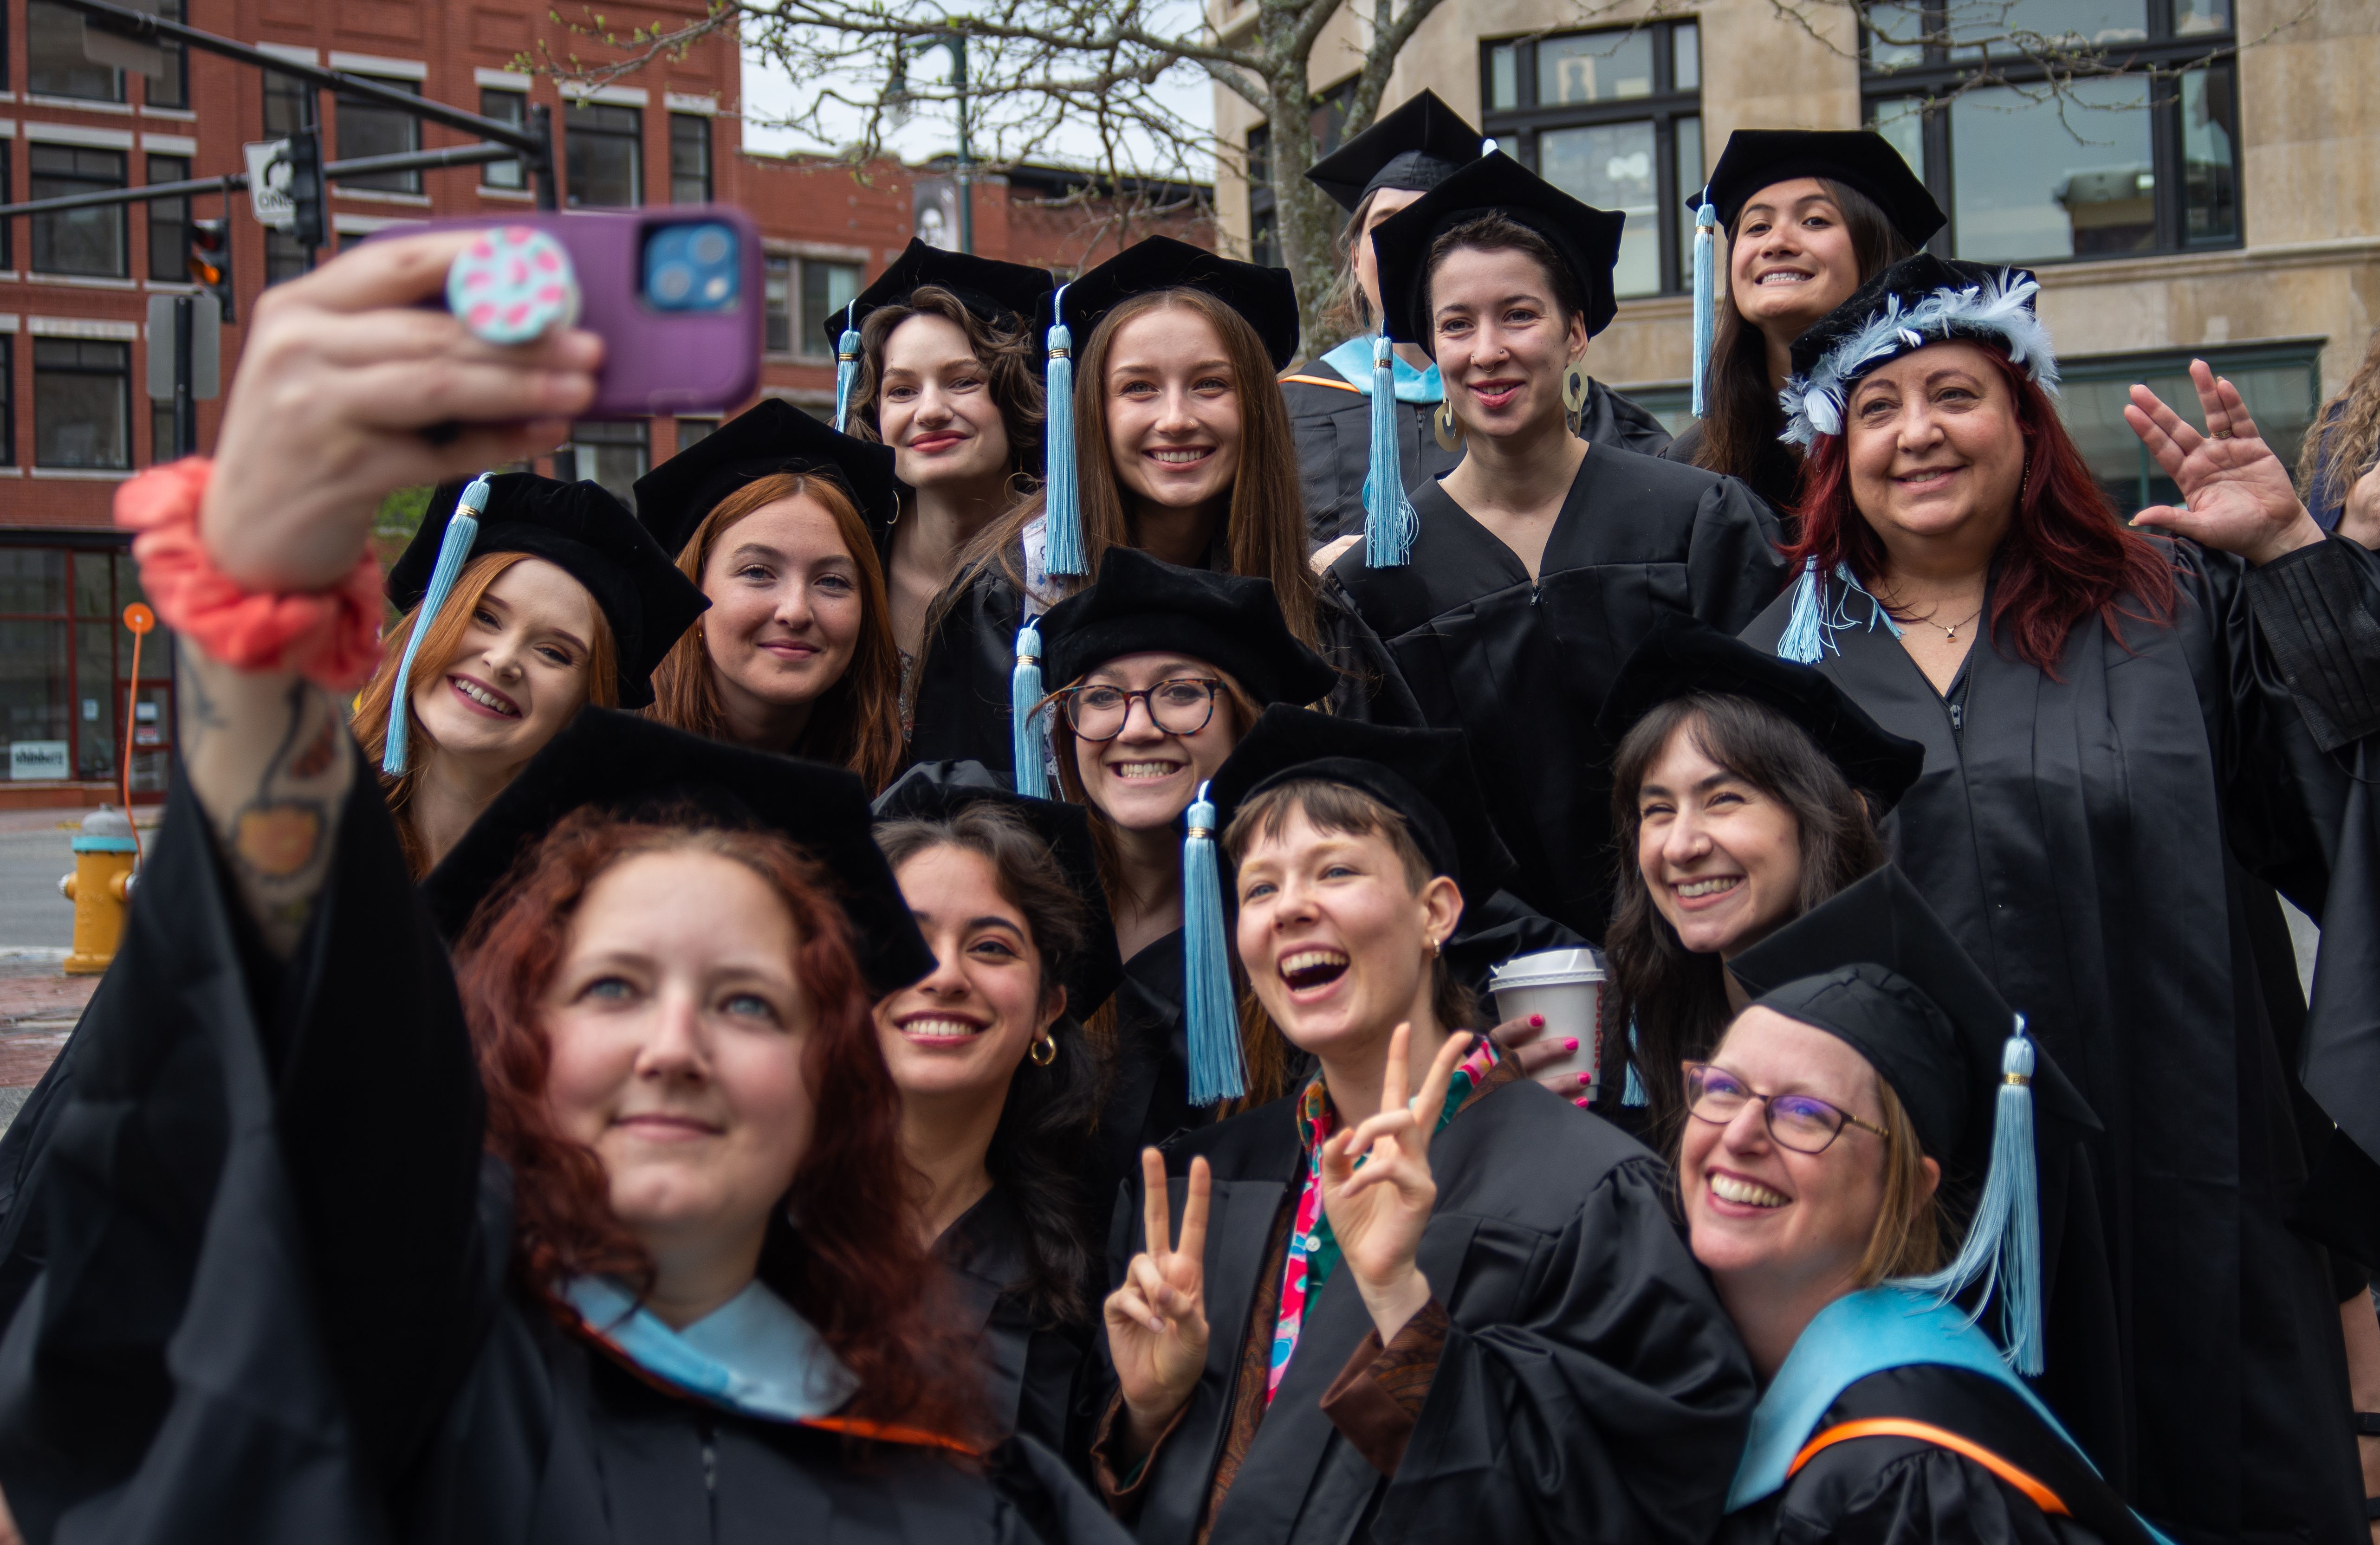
<point>2065,558</point>
<point>856,1269</point>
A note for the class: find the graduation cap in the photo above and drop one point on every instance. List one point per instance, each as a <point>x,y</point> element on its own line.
<point>1005,295</point>
<point>1758,157</point>
<point>579,528</point>
<point>1876,968</point>
<point>1263,296</point>
<point>1415,148</point>
<point>1685,655</point>
<point>1587,241</point>
<point>634,767</point>
<point>770,438</point>
<point>936,790</point>
<point>1142,604</point>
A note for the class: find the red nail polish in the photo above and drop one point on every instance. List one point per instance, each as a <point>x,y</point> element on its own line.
<point>1571,1045</point>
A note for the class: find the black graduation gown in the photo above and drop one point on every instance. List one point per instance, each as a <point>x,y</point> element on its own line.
<point>1590,1388</point>
<point>1333,425</point>
<point>1149,1079</point>
<point>962,695</point>
<point>277,1306</point>
<point>1524,668</point>
<point>1776,479</point>
<point>2088,839</point>
<point>1029,1364</point>
<point>1891,1490</point>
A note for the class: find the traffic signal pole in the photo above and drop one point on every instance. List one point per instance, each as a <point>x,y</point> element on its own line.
<point>186,410</point>
<point>234,182</point>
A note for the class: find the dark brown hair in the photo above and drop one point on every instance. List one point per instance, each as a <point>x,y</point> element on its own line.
<point>440,647</point>
<point>855,722</point>
<point>1346,310</point>
<point>1036,1150</point>
<point>1264,533</point>
<point>1678,998</point>
<point>848,1260</point>
<point>1741,429</point>
<point>1496,231</point>
<point>1006,355</point>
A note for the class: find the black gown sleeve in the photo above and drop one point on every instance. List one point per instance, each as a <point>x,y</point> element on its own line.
<point>1732,568</point>
<point>1611,1408</point>
<point>2319,608</point>
<point>960,706</point>
<point>1899,1491</point>
<point>1371,688</point>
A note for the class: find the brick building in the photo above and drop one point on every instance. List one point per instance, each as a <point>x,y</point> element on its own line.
<point>75,418</point>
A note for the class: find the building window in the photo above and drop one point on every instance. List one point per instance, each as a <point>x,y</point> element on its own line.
<point>602,146</point>
<point>369,129</point>
<point>82,403</point>
<point>161,431</point>
<point>505,108</point>
<point>7,401</point>
<point>65,667</point>
<point>285,105</point>
<point>2103,167</point>
<point>284,259</point>
<point>1328,122</point>
<point>614,454</point>
<point>692,432</point>
<point>1614,119</point>
<point>8,182</point>
<point>777,304</point>
<point>169,223</point>
<point>54,65</point>
<point>2282,387</point>
<point>86,241</point>
<point>173,88</point>
<point>826,289</point>
<point>689,158</point>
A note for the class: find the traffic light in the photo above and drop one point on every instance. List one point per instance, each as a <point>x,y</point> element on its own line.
<point>209,260</point>
<point>309,206</point>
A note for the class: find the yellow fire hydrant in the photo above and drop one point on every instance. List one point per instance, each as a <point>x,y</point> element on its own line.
<point>99,887</point>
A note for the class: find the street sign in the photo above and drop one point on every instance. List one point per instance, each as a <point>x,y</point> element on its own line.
<point>206,347</point>
<point>268,183</point>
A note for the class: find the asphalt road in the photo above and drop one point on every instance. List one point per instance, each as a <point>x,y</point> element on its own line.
<point>31,910</point>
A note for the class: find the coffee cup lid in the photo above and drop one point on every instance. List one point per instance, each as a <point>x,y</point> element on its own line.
<point>1546,967</point>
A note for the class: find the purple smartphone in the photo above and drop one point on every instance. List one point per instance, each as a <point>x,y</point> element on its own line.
<point>673,292</point>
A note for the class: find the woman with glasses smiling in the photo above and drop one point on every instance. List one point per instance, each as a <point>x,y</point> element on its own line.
<point>1164,669</point>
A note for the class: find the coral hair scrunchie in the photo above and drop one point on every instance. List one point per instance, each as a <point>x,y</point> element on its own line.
<point>331,637</point>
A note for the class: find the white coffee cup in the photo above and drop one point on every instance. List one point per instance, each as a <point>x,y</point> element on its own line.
<point>1567,987</point>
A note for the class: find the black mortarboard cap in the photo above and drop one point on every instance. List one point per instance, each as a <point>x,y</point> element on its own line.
<point>1417,147</point>
<point>1858,158</point>
<point>935,790</point>
<point>1143,604</point>
<point>1263,296</point>
<point>1585,237</point>
<point>1910,281</point>
<point>635,767</point>
<point>1424,774</point>
<point>1874,967</point>
<point>581,529</point>
<point>1005,295</point>
<point>774,437</point>
<point>1683,656</point>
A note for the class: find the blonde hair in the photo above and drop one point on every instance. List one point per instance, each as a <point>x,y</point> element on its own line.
<point>440,647</point>
<point>857,722</point>
<point>1907,1240</point>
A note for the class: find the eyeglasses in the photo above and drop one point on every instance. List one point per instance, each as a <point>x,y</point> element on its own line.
<point>1180,706</point>
<point>1801,1122</point>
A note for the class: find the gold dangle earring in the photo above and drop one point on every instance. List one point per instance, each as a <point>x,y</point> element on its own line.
<point>1044,1050</point>
<point>1575,395</point>
<point>1446,428</point>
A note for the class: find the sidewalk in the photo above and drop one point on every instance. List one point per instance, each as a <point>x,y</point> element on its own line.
<point>38,1008</point>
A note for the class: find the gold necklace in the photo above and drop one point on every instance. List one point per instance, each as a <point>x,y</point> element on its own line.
<point>1950,634</point>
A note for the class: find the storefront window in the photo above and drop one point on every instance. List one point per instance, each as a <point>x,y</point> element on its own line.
<point>66,663</point>
<point>2281,386</point>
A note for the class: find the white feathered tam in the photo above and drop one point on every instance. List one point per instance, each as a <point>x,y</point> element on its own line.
<point>1996,309</point>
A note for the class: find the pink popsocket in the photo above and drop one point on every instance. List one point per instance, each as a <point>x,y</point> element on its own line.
<point>513,284</point>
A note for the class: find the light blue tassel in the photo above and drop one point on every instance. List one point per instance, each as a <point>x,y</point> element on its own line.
<point>1706,296</point>
<point>1805,639</point>
<point>1388,518</point>
<point>2003,1247</point>
<point>1217,1071</point>
<point>1062,510</point>
<point>1024,711</point>
<point>847,369</point>
<point>454,551</point>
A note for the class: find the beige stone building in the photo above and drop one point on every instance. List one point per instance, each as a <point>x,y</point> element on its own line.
<point>2230,211</point>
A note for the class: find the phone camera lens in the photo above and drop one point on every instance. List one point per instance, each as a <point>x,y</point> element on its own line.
<point>710,245</point>
<point>673,283</point>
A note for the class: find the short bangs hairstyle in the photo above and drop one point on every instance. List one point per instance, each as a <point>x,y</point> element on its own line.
<point>845,1252</point>
<point>1007,354</point>
<point>1335,807</point>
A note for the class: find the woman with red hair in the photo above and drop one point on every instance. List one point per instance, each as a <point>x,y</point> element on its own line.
<point>2126,731</point>
<point>599,1235</point>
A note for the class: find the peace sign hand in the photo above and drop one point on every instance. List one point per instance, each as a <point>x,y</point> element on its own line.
<point>1377,1213</point>
<point>2237,496</point>
<point>1156,1320</point>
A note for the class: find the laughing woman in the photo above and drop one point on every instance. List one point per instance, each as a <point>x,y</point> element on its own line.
<point>999,1084</point>
<point>562,601</point>
<point>1492,1329</point>
<point>2133,725</point>
<point>1540,561</point>
<point>781,521</point>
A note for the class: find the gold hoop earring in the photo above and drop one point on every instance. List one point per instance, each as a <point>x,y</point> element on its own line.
<point>1434,948</point>
<point>1446,428</point>
<point>1574,395</point>
<point>1045,1049</point>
